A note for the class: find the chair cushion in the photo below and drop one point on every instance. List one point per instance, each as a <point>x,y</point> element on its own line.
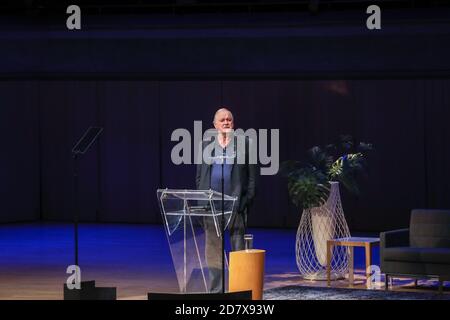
<point>420,255</point>
<point>430,228</point>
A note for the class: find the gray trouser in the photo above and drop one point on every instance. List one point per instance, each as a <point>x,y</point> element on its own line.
<point>213,246</point>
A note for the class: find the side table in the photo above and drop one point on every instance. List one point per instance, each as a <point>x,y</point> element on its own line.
<point>352,242</point>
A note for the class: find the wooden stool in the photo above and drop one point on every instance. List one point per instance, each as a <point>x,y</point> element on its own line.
<point>247,272</point>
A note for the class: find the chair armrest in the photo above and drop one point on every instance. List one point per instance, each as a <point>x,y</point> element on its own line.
<point>394,238</point>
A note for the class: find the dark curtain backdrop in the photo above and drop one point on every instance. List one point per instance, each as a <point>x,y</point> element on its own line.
<point>406,120</point>
<point>20,152</point>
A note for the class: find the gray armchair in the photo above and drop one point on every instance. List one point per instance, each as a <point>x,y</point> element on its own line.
<point>422,251</point>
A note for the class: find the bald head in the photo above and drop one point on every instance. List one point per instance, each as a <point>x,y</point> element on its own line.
<point>223,120</point>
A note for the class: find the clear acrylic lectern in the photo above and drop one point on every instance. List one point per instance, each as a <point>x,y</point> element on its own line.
<point>191,219</point>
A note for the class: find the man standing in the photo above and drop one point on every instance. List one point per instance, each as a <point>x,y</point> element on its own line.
<point>239,180</point>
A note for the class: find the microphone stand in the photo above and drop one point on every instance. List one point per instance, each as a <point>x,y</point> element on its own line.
<point>75,204</point>
<point>223,157</point>
<point>223,221</point>
<point>87,289</point>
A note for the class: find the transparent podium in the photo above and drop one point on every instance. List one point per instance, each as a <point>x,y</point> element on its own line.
<point>193,224</point>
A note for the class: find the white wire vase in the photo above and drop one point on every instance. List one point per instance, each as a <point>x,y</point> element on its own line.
<point>317,226</point>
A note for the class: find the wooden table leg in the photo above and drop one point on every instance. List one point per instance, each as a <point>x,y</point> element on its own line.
<point>329,255</point>
<point>368,248</point>
<point>350,267</point>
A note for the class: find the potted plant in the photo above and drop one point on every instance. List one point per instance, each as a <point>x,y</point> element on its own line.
<point>313,185</point>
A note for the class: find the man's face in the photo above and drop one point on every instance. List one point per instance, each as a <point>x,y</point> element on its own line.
<point>223,122</point>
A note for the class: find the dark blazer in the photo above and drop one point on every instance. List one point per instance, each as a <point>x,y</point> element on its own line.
<point>243,178</point>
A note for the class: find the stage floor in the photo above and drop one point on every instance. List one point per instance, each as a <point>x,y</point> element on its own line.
<point>135,259</point>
